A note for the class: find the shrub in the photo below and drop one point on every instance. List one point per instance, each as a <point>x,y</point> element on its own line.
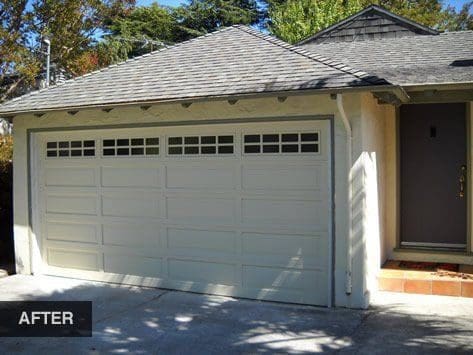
<point>6,205</point>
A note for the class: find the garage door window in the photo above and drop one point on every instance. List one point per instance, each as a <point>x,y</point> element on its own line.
<point>200,145</point>
<point>65,149</point>
<point>130,146</point>
<point>277,143</point>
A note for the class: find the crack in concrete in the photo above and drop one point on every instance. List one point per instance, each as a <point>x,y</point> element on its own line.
<point>356,329</point>
<point>156,298</point>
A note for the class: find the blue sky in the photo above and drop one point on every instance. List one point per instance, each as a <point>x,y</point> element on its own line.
<point>457,3</point>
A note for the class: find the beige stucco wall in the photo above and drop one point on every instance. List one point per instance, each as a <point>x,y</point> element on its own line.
<point>366,117</point>
<point>369,193</point>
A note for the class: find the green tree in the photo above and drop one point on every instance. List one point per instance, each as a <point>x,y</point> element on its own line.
<point>461,21</point>
<point>294,20</point>
<point>140,31</point>
<point>73,26</point>
<point>203,16</point>
<point>18,65</point>
<point>144,28</point>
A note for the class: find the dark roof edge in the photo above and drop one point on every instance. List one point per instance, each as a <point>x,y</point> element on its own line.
<point>365,10</point>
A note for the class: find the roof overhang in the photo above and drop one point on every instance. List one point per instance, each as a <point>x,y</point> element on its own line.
<point>396,91</point>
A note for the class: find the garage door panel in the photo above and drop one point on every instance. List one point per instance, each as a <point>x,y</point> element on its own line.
<point>71,204</point>
<point>247,216</point>
<point>201,240</point>
<point>75,259</point>
<point>131,176</point>
<point>309,213</point>
<point>203,210</point>
<point>131,204</point>
<point>202,176</point>
<point>133,265</point>
<point>285,177</point>
<point>72,232</point>
<point>271,244</point>
<point>70,176</point>
<point>131,235</point>
<point>279,278</point>
<point>212,273</point>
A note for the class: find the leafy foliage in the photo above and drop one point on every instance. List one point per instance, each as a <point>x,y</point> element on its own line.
<point>202,16</point>
<point>18,65</point>
<point>72,25</point>
<point>297,19</point>
<point>6,205</point>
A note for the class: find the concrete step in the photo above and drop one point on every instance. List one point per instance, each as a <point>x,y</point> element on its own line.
<point>433,279</point>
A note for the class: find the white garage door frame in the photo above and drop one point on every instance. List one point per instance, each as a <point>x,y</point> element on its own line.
<point>37,244</point>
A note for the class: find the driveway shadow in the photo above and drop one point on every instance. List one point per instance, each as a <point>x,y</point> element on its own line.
<point>147,320</point>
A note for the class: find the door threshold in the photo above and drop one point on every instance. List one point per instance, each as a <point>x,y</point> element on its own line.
<point>437,250</point>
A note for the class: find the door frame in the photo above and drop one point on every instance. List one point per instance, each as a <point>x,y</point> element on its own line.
<point>34,168</point>
<point>469,159</point>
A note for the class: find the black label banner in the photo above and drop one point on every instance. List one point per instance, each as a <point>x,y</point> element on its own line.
<point>46,319</point>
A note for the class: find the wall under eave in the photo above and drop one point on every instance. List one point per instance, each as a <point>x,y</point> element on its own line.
<point>364,120</point>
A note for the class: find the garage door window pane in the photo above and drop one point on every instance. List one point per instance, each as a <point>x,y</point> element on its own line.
<point>290,148</point>
<point>137,151</point>
<point>131,147</point>
<point>309,137</point>
<point>208,150</point>
<point>252,138</point>
<point>152,141</point>
<point>252,148</point>
<point>137,141</point>
<point>191,150</point>
<point>175,150</point>
<point>281,143</point>
<point>270,148</point>
<point>271,138</point>
<point>201,145</point>
<point>309,148</point>
<point>290,137</point>
<point>225,149</point>
<point>65,149</point>
<point>208,140</point>
<point>191,140</point>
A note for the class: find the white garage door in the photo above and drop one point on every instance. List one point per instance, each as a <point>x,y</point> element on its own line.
<point>241,209</point>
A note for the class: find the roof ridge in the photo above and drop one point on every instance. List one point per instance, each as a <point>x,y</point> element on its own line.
<point>360,74</point>
<point>111,66</point>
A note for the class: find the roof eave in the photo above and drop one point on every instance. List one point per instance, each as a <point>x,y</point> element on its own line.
<point>367,88</point>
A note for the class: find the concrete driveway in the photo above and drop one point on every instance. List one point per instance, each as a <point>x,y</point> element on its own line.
<point>143,320</point>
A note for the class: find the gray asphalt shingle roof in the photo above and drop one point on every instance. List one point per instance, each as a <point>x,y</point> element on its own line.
<point>235,60</point>
<point>427,59</point>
